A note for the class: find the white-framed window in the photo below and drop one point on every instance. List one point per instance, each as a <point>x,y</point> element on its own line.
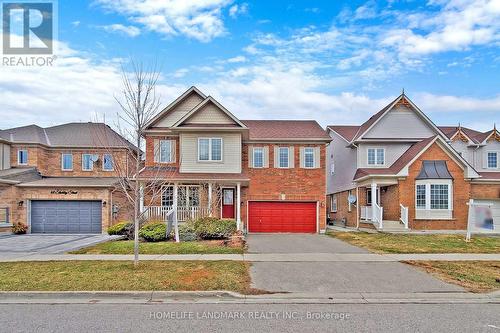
<point>22,157</point>
<point>107,162</point>
<point>376,156</point>
<point>333,203</point>
<point>165,152</point>
<point>258,157</point>
<point>87,162</point>
<point>332,168</point>
<point>167,196</point>
<point>210,149</point>
<point>309,157</point>
<point>67,162</point>
<point>283,157</point>
<point>434,199</point>
<point>492,160</point>
<point>187,196</point>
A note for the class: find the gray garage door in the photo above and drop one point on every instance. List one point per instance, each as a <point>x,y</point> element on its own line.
<point>66,217</point>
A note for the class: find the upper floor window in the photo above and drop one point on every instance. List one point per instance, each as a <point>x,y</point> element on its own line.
<point>210,149</point>
<point>22,157</point>
<point>87,162</point>
<point>492,160</point>
<point>309,157</point>
<point>67,162</point>
<point>376,156</point>
<point>166,151</point>
<point>107,162</point>
<point>283,157</point>
<point>258,157</point>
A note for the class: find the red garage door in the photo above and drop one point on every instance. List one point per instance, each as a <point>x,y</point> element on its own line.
<point>281,216</point>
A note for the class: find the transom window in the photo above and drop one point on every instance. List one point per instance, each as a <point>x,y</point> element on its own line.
<point>107,162</point>
<point>165,151</point>
<point>87,162</point>
<point>283,157</point>
<point>22,157</point>
<point>376,156</point>
<point>492,160</point>
<point>67,162</point>
<point>309,157</point>
<point>210,149</point>
<point>258,157</point>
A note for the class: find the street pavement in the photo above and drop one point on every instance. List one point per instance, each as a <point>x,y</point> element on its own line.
<point>250,318</point>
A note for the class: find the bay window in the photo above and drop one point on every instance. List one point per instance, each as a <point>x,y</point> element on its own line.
<point>434,199</point>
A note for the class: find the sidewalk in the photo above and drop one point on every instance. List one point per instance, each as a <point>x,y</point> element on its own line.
<point>267,257</point>
<point>225,297</point>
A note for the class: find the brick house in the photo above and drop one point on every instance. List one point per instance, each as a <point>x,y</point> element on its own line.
<point>398,170</point>
<point>268,175</point>
<point>62,179</point>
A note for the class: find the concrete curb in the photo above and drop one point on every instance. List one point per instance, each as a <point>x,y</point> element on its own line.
<point>224,297</point>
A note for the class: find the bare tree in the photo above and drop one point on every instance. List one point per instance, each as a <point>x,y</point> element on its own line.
<point>139,103</point>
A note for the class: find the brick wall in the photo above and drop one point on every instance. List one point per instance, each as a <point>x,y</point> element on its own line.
<point>389,200</point>
<point>296,184</point>
<point>485,191</point>
<point>343,209</point>
<point>461,190</point>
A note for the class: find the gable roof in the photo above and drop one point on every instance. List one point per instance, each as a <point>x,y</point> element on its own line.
<point>473,135</point>
<point>88,134</point>
<point>171,106</point>
<point>345,131</point>
<point>200,106</point>
<point>286,130</point>
<point>367,125</point>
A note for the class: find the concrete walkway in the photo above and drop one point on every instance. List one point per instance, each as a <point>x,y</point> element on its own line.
<point>264,257</point>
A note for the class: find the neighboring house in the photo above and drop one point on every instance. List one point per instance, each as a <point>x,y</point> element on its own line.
<point>399,170</point>
<point>61,179</point>
<point>268,175</point>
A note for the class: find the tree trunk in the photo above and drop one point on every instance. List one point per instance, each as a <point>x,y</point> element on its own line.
<point>137,202</point>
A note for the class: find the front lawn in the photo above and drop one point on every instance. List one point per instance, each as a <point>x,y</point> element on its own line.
<point>475,276</point>
<point>121,275</point>
<point>170,247</point>
<point>405,243</point>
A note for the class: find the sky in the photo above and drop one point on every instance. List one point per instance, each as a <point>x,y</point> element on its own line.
<point>337,62</point>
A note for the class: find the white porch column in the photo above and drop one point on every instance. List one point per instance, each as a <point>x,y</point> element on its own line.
<point>141,198</point>
<point>210,199</point>
<point>238,206</point>
<point>374,201</point>
<point>176,188</point>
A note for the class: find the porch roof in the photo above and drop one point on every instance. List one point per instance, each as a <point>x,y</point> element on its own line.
<point>173,174</point>
<point>399,164</point>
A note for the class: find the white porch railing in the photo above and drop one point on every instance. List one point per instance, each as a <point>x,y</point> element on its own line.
<point>404,215</point>
<point>366,213</point>
<point>183,213</point>
<point>377,214</point>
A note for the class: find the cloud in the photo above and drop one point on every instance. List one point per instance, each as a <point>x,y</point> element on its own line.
<point>75,24</point>
<point>130,30</point>
<point>237,59</point>
<point>237,10</point>
<point>200,20</point>
<point>181,73</point>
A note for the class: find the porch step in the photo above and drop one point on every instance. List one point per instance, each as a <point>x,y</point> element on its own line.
<point>391,226</point>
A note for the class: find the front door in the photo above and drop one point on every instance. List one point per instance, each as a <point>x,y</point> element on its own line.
<point>228,203</point>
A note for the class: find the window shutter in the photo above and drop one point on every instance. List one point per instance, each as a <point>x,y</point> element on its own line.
<point>302,157</point>
<point>485,160</point>
<point>317,157</point>
<point>172,150</point>
<point>266,156</point>
<point>276,157</point>
<point>156,150</point>
<point>250,156</point>
<point>291,157</point>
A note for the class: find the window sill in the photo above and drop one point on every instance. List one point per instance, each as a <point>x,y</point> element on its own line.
<point>6,225</point>
<point>434,218</point>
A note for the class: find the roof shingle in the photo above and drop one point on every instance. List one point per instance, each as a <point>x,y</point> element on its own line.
<point>285,129</point>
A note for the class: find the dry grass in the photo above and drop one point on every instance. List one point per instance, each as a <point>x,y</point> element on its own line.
<point>475,276</point>
<point>170,247</point>
<point>123,276</point>
<point>404,243</point>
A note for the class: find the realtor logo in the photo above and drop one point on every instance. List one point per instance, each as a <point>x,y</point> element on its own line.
<point>27,27</point>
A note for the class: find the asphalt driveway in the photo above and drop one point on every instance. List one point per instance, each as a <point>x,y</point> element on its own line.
<point>332,277</point>
<point>48,244</point>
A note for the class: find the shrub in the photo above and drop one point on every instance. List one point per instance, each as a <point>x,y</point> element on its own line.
<point>19,228</point>
<point>129,230</point>
<point>153,232</point>
<point>187,232</point>
<point>118,229</point>
<point>213,228</point>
